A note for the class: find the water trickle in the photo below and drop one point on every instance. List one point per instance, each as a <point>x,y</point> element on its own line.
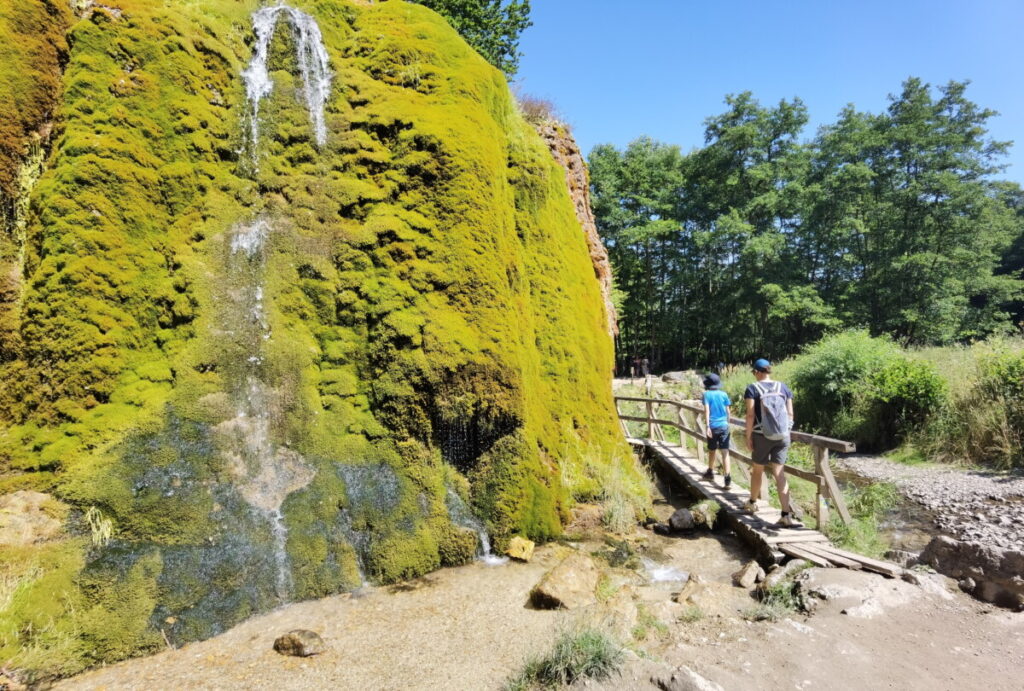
<point>265,472</point>
<point>461,515</point>
<point>311,56</point>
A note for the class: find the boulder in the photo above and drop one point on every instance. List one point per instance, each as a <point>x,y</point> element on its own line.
<point>520,549</point>
<point>748,575</point>
<point>855,593</point>
<point>300,643</point>
<point>621,612</point>
<point>569,585</point>
<point>989,573</point>
<point>673,377</point>
<point>705,512</point>
<point>682,679</point>
<point>682,520</point>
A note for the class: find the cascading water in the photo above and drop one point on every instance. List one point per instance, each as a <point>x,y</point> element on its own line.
<point>461,515</point>
<point>265,473</point>
<point>313,63</point>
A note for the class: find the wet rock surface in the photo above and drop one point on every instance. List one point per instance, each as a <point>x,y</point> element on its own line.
<point>979,506</point>
<point>569,585</point>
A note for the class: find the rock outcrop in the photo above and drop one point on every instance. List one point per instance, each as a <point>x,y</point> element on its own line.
<point>992,574</point>
<point>567,153</point>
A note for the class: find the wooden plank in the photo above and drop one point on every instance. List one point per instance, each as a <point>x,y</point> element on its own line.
<point>833,489</point>
<point>809,536</point>
<point>826,553</point>
<point>883,567</point>
<point>801,553</point>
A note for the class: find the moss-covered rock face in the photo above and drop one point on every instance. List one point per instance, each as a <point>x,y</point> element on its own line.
<point>251,374</point>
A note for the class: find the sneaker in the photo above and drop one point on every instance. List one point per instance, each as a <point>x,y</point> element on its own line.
<point>788,521</point>
<point>750,506</point>
<point>709,474</point>
<point>728,481</point>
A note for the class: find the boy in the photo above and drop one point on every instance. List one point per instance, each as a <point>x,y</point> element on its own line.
<point>716,418</point>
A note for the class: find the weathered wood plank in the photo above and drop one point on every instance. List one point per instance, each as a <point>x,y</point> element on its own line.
<point>883,567</point>
<point>801,553</point>
<point>826,553</point>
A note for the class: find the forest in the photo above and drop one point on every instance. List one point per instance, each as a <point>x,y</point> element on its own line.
<point>765,239</point>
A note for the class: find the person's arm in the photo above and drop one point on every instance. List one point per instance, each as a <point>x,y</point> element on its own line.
<point>789,409</point>
<point>750,425</point>
<point>707,417</point>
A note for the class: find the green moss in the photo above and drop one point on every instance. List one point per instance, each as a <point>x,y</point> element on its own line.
<point>434,323</point>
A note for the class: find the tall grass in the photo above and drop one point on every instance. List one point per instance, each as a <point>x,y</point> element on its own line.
<point>585,653</point>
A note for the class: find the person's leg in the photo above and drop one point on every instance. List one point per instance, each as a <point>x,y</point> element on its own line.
<point>756,473</point>
<point>781,484</point>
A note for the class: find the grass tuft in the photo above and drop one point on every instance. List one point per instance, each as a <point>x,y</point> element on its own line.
<point>585,653</point>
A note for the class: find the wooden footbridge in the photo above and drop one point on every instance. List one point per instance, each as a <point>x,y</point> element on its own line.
<point>773,542</point>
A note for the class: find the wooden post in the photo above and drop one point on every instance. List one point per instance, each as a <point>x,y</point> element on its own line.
<point>650,420</point>
<point>684,438</point>
<point>822,467</point>
<point>698,426</point>
<point>821,503</point>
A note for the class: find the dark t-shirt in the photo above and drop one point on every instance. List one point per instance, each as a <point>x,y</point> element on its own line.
<point>755,395</point>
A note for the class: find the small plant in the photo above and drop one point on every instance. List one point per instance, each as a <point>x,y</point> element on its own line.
<point>585,653</point>
<point>706,512</point>
<point>102,528</point>
<point>691,614</point>
<point>606,588</point>
<point>777,602</point>
<point>646,624</point>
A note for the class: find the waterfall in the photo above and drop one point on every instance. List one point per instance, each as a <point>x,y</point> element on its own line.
<point>461,515</point>
<point>264,472</point>
<point>313,63</point>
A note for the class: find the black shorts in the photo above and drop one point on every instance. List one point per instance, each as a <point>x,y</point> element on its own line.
<point>719,439</point>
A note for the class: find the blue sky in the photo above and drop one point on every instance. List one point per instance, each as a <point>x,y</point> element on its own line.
<point>617,70</point>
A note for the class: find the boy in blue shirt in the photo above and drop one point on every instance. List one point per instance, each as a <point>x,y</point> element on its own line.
<point>716,418</point>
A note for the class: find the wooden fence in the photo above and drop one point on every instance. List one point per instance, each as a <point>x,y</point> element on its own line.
<point>688,418</point>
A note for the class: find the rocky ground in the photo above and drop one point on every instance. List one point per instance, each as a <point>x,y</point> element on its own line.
<point>971,505</point>
<point>671,599</point>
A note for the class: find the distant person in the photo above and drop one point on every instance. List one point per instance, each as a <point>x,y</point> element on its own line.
<point>716,417</point>
<point>645,365</point>
<point>769,422</point>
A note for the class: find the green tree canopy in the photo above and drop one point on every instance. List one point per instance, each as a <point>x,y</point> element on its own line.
<point>491,26</point>
<point>759,241</point>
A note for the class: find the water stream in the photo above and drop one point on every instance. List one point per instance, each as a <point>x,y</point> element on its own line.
<point>311,57</point>
<point>462,516</point>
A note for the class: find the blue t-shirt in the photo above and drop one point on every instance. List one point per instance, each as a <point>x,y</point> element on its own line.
<point>718,402</point>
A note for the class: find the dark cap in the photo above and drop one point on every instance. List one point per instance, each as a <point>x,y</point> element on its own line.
<point>711,381</point>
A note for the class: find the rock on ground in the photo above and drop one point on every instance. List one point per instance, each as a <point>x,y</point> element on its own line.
<point>856,593</point>
<point>520,548</point>
<point>569,585</point>
<point>682,520</point>
<point>749,574</point>
<point>24,520</point>
<point>992,574</point>
<point>300,643</point>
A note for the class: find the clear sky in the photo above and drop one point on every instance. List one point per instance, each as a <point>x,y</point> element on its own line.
<point>617,69</point>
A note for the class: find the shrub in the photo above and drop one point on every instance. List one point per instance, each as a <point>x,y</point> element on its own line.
<point>583,654</point>
<point>896,399</point>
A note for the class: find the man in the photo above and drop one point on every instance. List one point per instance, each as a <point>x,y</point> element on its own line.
<point>769,421</point>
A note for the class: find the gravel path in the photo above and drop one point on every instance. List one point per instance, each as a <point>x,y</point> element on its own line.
<point>972,505</point>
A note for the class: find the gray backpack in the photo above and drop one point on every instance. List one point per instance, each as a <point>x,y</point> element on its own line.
<point>775,422</point>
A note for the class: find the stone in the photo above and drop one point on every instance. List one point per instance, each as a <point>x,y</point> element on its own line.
<point>520,549</point>
<point>778,574</point>
<point>24,518</point>
<point>704,514</point>
<point>683,679</point>
<point>989,573</point>
<point>746,577</point>
<point>673,377</point>
<point>902,557</point>
<point>662,529</point>
<point>300,643</point>
<point>621,612</point>
<point>855,593</point>
<point>682,520</point>
<point>569,585</point>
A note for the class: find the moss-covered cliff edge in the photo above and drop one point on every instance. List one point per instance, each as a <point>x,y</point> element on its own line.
<point>239,382</point>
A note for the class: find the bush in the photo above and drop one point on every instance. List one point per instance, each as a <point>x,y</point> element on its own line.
<point>866,389</point>
<point>583,654</point>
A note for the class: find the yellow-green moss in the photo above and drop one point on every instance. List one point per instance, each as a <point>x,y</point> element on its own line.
<point>435,323</point>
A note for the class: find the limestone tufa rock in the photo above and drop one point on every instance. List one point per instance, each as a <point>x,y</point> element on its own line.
<point>749,574</point>
<point>682,520</point>
<point>622,612</point>
<point>300,643</point>
<point>778,574</point>
<point>569,585</point>
<point>520,549</point>
<point>683,679</point>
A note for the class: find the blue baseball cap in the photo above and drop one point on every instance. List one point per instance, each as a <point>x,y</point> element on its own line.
<point>762,365</point>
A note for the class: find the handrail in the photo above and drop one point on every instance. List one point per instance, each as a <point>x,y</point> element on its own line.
<point>822,477</point>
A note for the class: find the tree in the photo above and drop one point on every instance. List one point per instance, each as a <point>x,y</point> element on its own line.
<point>492,27</point>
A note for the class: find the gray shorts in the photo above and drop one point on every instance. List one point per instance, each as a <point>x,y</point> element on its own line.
<point>769,450</point>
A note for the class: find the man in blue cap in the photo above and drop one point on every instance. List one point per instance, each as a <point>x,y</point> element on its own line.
<point>769,421</point>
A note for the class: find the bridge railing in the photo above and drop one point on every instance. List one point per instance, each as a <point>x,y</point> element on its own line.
<point>688,418</point>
